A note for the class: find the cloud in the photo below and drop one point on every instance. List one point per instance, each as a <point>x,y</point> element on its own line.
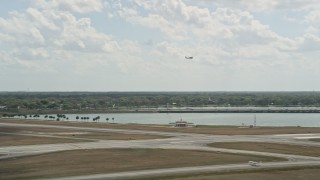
<point>5,38</point>
<point>49,36</point>
<point>180,21</point>
<point>82,6</point>
<point>310,42</point>
<point>42,20</point>
<point>79,35</point>
<point>262,5</point>
<point>213,36</point>
<point>313,17</point>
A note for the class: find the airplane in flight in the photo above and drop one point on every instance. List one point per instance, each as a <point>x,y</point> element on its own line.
<point>189,57</point>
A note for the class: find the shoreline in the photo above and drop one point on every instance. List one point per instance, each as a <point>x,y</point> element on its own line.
<point>174,110</point>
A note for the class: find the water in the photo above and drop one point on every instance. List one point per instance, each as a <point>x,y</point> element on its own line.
<point>237,119</point>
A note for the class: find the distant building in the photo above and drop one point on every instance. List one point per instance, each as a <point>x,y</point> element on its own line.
<point>182,123</point>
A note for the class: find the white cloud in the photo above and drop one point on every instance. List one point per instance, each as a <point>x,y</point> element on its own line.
<point>111,47</point>
<point>312,30</point>
<point>47,38</point>
<point>157,22</point>
<point>79,6</point>
<point>180,21</point>
<point>41,20</point>
<point>5,38</point>
<point>313,17</point>
<point>263,5</point>
<point>36,34</point>
<point>40,52</point>
<point>310,42</point>
<point>219,35</point>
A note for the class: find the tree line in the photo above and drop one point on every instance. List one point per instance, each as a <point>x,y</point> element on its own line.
<point>112,100</point>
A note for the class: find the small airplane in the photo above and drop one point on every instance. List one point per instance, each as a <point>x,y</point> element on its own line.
<point>189,57</point>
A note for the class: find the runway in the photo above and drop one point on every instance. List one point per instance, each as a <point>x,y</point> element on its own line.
<point>184,141</point>
<point>189,170</point>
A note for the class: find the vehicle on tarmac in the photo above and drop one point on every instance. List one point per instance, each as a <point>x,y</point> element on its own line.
<point>254,163</point>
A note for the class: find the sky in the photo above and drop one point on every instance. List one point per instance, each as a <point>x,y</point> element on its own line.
<point>140,45</point>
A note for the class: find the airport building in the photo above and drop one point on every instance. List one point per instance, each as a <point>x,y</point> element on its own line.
<point>182,124</point>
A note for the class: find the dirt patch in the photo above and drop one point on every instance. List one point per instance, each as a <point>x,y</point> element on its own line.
<point>37,130</point>
<point>270,147</point>
<point>21,137</point>
<point>315,139</point>
<point>216,130</point>
<point>18,140</point>
<point>78,162</point>
<point>15,136</point>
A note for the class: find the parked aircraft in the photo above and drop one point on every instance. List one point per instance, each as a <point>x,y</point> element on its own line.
<point>189,57</point>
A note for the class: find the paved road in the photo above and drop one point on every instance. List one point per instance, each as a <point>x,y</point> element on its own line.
<point>189,170</point>
<point>186,141</point>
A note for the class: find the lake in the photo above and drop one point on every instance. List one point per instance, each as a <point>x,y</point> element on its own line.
<point>237,119</point>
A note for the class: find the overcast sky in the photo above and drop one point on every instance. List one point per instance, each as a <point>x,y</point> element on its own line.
<point>140,45</point>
